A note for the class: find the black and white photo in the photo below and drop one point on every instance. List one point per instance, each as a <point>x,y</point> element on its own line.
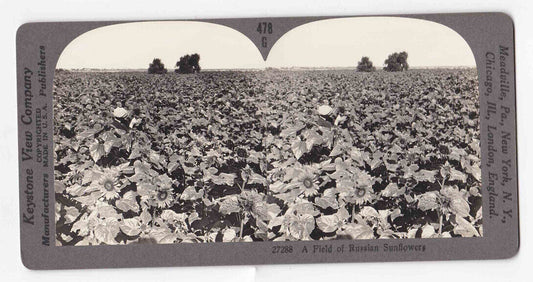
<point>352,128</point>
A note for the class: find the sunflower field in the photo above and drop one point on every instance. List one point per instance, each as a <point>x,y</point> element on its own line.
<point>240,156</point>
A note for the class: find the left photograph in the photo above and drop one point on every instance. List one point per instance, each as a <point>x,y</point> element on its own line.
<point>127,105</point>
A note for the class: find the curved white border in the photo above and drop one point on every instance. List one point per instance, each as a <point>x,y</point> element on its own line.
<point>318,43</point>
<point>134,45</point>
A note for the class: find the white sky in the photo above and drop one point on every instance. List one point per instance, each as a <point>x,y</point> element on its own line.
<point>135,45</point>
<point>342,43</point>
<point>326,43</point>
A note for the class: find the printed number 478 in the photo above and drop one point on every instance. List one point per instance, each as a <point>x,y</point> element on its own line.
<point>264,28</point>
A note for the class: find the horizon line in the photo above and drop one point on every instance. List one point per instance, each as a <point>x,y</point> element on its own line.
<point>268,68</point>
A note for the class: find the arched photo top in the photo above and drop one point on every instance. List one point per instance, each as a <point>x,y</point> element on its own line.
<point>135,45</point>
<point>343,42</point>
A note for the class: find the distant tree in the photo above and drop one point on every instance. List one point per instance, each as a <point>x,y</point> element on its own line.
<point>188,64</point>
<point>397,62</point>
<point>60,70</point>
<point>157,67</point>
<point>365,65</point>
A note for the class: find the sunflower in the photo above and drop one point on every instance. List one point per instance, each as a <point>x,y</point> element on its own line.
<point>360,195</point>
<point>109,184</point>
<point>306,181</point>
<point>163,198</point>
<point>356,192</point>
<point>363,191</point>
<point>309,185</point>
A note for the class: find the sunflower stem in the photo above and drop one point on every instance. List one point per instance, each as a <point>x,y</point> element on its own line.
<point>353,213</point>
<point>440,223</point>
<point>443,181</point>
<point>441,214</point>
<point>244,183</point>
<point>242,225</point>
<point>153,212</point>
<point>153,216</point>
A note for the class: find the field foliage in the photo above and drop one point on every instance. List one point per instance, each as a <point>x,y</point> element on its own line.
<point>246,156</point>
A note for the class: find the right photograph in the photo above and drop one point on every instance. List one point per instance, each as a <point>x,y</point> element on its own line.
<point>389,106</point>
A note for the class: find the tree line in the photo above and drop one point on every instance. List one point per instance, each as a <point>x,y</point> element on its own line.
<point>395,62</point>
<point>186,64</point>
<point>191,64</point>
